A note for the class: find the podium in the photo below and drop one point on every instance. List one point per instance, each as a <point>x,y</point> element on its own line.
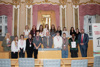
<point>49,53</point>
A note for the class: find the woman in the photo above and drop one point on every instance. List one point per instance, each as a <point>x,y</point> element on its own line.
<point>41,31</point>
<point>21,46</point>
<point>46,29</point>
<point>37,41</point>
<point>59,30</point>
<point>65,31</point>
<point>53,30</point>
<point>29,46</point>
<point>26,31</point>
<point>73,49</point>
<point>72,31</point>
<point>14,48</point>
<point>77,33</point>
<point>33,31</point>
<point>7,43</point>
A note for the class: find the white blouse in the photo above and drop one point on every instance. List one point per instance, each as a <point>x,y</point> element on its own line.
<point>14,48</point>
<point>21,44</point>
<point>58,42</point>
<point>41,34</point>
<point>67,34</point>
<point>45,31</point>
<point>26,32</point>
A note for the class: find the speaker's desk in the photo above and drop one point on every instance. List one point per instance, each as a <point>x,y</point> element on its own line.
<point>49,53</point>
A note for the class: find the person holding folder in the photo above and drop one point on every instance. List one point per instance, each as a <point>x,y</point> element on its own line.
<point>73,42</point>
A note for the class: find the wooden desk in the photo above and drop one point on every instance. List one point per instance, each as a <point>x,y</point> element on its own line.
<point>66,62</point>
<point>4,55</point>
<point>49,53</point>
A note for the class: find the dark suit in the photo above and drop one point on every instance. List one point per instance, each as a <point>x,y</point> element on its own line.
<point>45,42</point>
<point>84,47</point>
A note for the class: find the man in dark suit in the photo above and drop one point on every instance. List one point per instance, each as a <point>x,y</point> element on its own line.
<point>83,42</point>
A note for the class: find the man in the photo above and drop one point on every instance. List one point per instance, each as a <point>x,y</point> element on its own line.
<point>73,49</point>
<point>65,46</point>
<point>37,41</point>
<point>83,42</point>
<point>47,41</point>
<point>58,40</point>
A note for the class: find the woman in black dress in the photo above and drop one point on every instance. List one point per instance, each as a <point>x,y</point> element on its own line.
<point>72,31</point>
<point>29,46</point>
<point>77,33</point>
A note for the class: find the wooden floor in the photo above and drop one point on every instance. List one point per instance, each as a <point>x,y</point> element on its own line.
<point>64,62</point>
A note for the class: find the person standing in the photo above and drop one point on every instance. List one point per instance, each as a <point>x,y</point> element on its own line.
<point>37,41</point>
<point>47,41</point>
<point>21,46</point>
<point>14,48</point>
<point>26,31</point>
<point>77,33</point>
<point>52,30</point>
<point>29,46</point>
<point>33,31</point>
<point>41,31</point>
<point>66,32</point>
<point>83,39</point>
<point>65,46</point>
<point>72,31</point>
<point>73,43</point>
<point>46,29</point>
<point>59,30</point>
<point>6,44</point>
<point>58,40</point>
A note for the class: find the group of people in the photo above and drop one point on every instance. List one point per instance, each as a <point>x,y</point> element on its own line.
<point>49,38</point>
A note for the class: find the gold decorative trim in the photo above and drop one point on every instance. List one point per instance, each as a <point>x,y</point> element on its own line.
<point>6,2</point>
<point>46,2</point>
<point>89,2</point>
<point>61,2</point>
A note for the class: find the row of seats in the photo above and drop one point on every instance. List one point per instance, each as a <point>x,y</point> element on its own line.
<point>29,62</point>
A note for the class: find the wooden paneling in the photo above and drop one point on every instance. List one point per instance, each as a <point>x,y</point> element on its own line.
<point>4,55</point>
<point>49,54</point>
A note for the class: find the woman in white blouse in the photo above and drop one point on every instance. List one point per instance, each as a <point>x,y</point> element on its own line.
<point>14,48</point>
<point>46,29</point>
<point>58,40</point>
<point>21,46</point>
<point>65,31</point>
<point>26,31</point>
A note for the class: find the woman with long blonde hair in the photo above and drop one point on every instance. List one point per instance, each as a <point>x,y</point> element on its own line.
<point>14,48</point>
<point>6,44</point>
<point>26,31</point>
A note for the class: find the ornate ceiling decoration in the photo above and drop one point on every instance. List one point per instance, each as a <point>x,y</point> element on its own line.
<point>61,2</point>
<point>75,2</point>
<point>89,2</point>
<point>16,2</point>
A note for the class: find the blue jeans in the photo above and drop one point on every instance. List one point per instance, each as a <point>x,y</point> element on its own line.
<point>64,53</point>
